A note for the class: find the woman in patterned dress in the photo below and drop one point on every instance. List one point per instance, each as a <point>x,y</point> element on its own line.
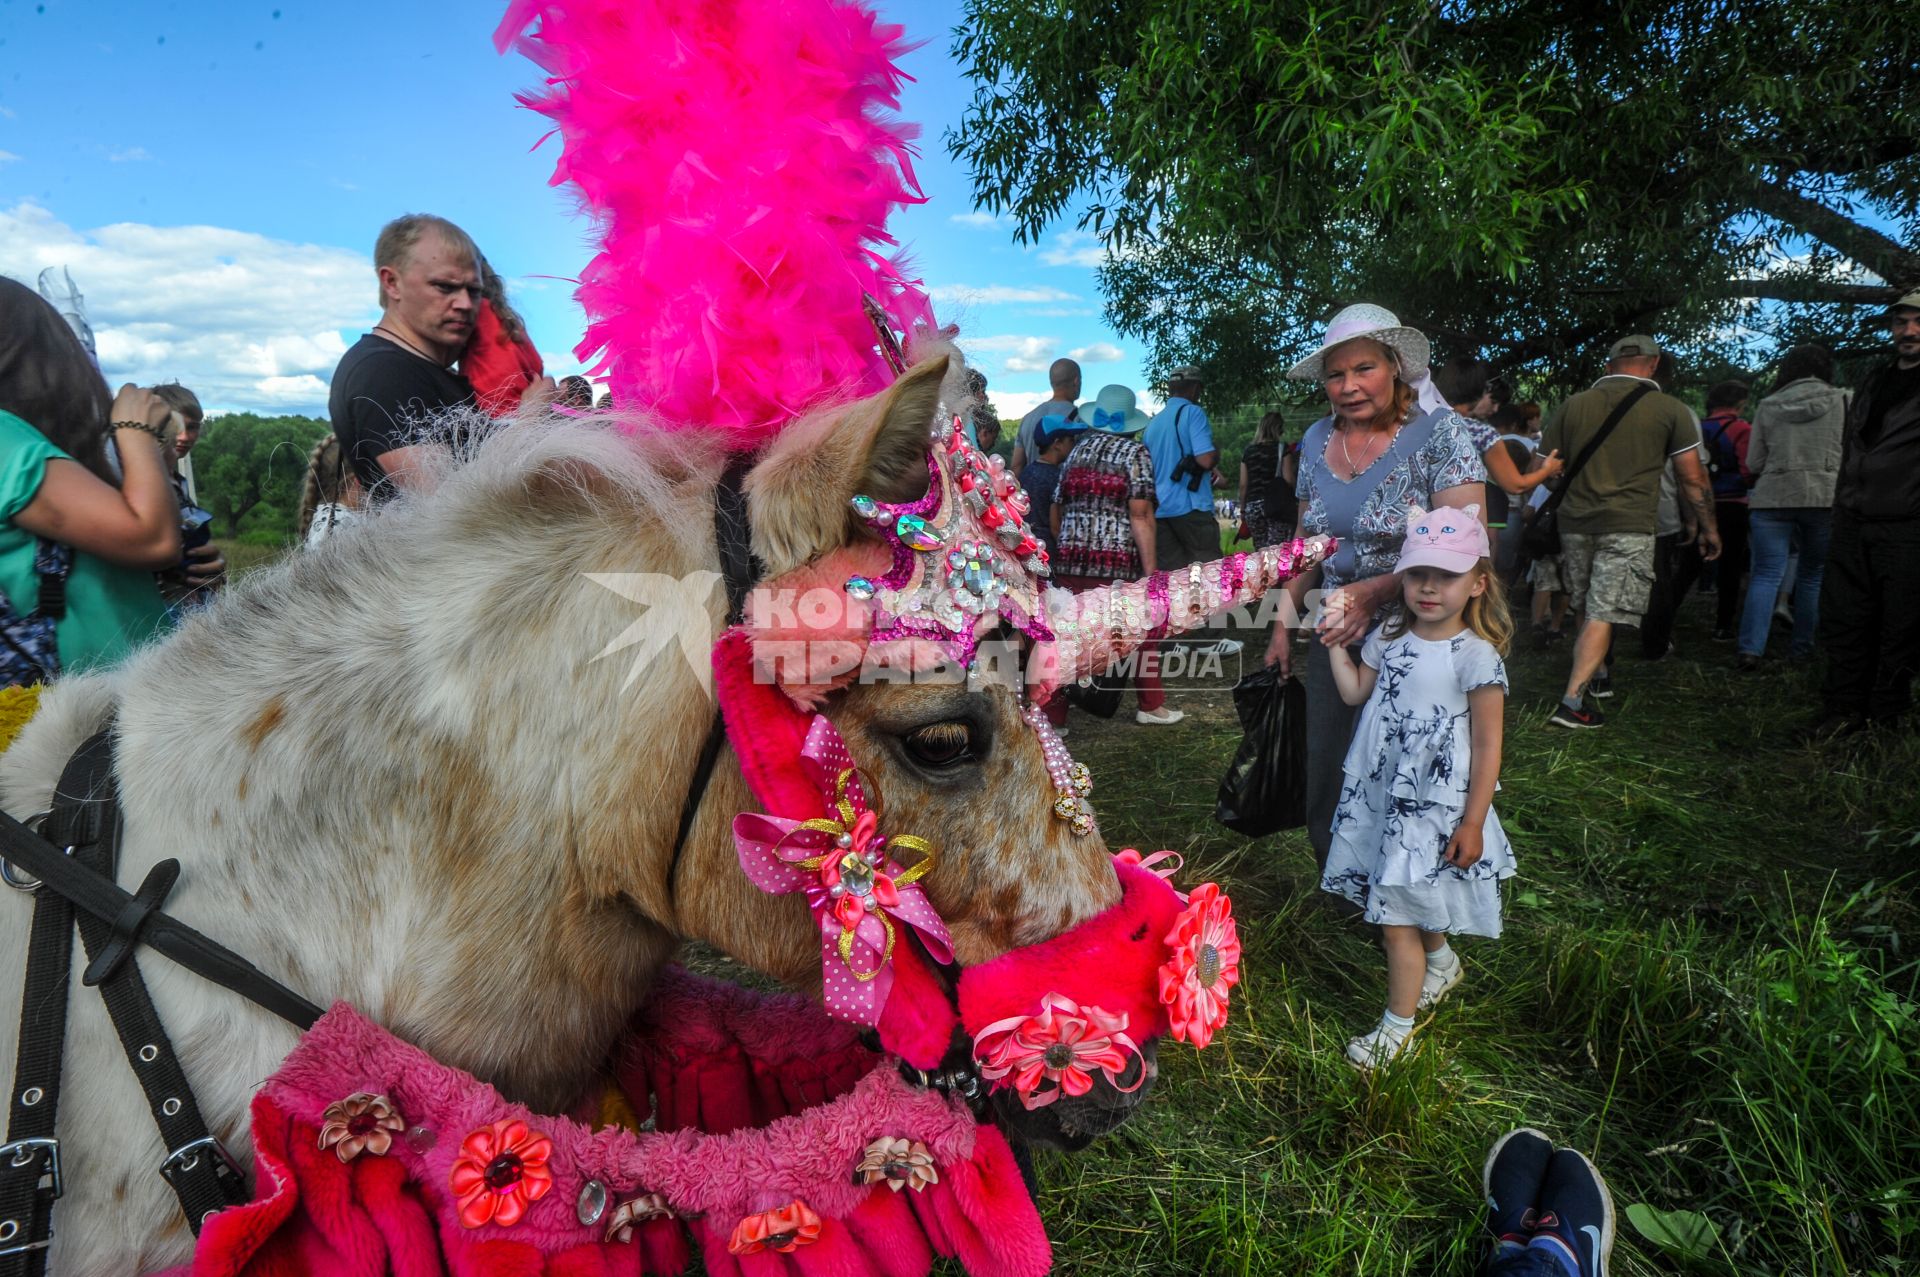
<point>1389,443</point>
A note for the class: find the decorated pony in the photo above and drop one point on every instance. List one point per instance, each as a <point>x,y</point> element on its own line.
<point>441,772</point>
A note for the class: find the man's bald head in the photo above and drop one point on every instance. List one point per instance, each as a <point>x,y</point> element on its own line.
<point>1064,377</point>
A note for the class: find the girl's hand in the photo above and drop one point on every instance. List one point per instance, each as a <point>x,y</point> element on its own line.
<point>1466,846</point>
<point>1280,648</point>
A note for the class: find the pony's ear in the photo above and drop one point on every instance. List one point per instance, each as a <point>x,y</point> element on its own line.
<point>800,489</point>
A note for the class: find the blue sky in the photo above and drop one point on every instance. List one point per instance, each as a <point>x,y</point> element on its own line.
<point>213,175</point>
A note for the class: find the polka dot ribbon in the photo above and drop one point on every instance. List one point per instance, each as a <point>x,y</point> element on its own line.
<point>852,881</point>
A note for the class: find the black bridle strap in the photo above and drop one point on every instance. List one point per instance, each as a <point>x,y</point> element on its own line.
<point>138,917</point>
<point>739,569</point>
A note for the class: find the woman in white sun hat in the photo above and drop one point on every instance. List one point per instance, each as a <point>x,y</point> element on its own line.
<point>1390,442</point>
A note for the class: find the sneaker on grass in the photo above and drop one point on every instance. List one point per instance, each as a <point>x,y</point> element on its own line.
<point>1510,1181</point>
<point>1600,686</point>
<point>1372,1050</point>
<point>1586,716</point>
<point>1161,716</point>
<point>1222,647</point>
<point>1576,1213</point>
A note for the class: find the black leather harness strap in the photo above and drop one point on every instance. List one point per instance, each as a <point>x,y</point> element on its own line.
<point>72,877</point>
<point>739,569</point>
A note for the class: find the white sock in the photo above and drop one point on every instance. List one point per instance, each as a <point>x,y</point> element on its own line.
<point>1395,1026</point>
<point>1443,958</point>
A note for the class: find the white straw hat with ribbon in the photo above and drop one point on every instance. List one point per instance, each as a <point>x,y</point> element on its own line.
<point>1382,325</point>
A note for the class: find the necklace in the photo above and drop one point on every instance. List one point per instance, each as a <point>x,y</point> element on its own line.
<point>382,328</point>
<point>1355,471</point>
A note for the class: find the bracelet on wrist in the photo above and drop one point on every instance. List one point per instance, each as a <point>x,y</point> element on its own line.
<point>144,427</point>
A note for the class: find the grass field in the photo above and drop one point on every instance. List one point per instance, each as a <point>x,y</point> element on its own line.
<point>1705,984</point>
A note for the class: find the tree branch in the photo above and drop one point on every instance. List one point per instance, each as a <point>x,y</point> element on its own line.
<point>1788,289</point>
<point>1882,254</point>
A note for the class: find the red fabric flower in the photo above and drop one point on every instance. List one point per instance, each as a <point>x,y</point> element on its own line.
<point>363,1122</point>
<point>1203,966</point>
<point>787,1229</point>
<point>501,1170</point>
<point>1056,1051</point>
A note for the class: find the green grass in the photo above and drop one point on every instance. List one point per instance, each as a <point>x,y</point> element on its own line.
<point>1704,984</point>
<point>244,556</point>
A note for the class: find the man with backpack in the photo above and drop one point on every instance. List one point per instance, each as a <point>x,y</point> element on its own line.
<point>1618,437</point>
<point>1725,432</point>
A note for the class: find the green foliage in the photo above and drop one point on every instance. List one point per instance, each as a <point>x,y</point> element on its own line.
<point>249,470</point>
<point>1524,179</point>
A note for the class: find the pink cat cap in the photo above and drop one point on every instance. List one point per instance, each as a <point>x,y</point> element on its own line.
<point>1450,539</point>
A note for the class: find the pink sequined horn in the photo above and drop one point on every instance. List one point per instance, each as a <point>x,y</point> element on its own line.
<point>1095,629</point>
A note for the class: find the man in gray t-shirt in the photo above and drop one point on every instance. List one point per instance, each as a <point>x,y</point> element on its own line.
<point>1064,377</point>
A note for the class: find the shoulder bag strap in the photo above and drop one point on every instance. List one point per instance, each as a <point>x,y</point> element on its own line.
<point>1614,418</point>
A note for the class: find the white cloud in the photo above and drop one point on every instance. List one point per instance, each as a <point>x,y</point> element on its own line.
<point>1014,404</point>
<point>1065,312</point>
<point>128,155</point>
<point>7,157</point>
<point>998,295</point>
<point>976,219</point>
<point>246,321</point>
<point>1023,354</point>
<point>1100,352</point>
<point>1074,248</point>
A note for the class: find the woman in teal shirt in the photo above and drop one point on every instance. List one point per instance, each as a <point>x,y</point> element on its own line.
<point>57,481</point>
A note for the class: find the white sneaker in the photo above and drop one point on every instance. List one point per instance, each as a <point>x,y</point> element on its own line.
<point>1062,731</point>
<point>1225,647</point>
<point>1372,1050</point>
<point>1434,985</point>
<point>1161,715</point>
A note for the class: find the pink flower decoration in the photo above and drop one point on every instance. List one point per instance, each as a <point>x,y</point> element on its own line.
<point>1203,966</point>
<point>1059,1050</point>
<point>502,1169</point>
<point>363,1122</point>
<point>897,1162</point>
<point>859,893</point>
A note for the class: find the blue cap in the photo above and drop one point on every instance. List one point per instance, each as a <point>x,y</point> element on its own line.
<point>1052,429</point>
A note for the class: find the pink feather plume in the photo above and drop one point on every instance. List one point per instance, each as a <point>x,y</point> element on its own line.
<point>741,160</point>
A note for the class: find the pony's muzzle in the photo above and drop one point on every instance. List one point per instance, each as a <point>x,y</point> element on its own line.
<point>1073,1122</point>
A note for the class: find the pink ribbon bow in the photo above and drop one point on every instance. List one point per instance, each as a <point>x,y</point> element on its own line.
<point>852,883</point>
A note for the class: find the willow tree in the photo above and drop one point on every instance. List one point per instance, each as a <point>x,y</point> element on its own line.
<point>1520,177</point>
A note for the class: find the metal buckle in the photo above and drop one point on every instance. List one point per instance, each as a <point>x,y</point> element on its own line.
<point>15,878</point>
<point>20,1153</point>
<point>187,1157</point>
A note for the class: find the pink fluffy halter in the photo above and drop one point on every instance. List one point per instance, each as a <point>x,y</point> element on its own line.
<point>741,162</point>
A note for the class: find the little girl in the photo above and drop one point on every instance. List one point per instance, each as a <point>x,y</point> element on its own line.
<point>1415,838</point>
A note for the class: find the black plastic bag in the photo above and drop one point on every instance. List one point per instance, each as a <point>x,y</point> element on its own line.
<point>1100,697</point>
<point>1265,788</point>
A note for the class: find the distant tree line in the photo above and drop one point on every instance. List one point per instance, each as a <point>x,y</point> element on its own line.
<point>249,469</point>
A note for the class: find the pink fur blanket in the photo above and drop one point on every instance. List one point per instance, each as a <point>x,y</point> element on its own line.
<point>756,1102</point>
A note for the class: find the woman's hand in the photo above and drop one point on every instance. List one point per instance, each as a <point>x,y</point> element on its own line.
<point>1466,846</point>
<point>1549,466</point>
<point>1280,648</point>
<point>1347,613</point>
<point>136,404</point>
<point>205,565</point>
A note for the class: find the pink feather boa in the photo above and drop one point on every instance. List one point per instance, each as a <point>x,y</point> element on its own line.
<point>740,160</point>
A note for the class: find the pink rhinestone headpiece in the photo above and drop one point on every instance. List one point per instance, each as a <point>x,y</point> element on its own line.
<point>963,555</point>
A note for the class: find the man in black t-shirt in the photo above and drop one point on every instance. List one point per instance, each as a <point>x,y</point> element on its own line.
<point>1870,595</point>
<point>399,373</point>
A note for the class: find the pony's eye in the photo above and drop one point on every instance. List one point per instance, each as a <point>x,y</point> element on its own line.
<point>946,744</point>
